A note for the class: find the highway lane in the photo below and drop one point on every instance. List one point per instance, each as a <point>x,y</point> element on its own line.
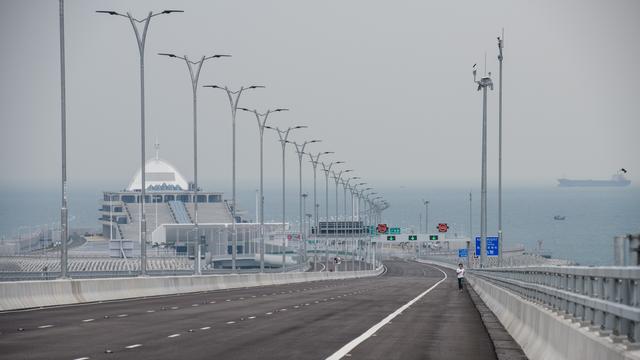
<point>293,321</point>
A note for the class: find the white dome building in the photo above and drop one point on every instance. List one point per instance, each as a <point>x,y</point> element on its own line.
<point>160,175</point>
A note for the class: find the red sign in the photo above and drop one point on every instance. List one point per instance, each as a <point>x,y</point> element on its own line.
<point>289,237</point>
<point>443,227</point>
<point>382,228</point>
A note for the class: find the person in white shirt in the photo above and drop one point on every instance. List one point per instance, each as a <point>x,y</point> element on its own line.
<point>460,273</point>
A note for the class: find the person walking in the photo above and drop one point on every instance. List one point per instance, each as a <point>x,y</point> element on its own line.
<point>460,273</point>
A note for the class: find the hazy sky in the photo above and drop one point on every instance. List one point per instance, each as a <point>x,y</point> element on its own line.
<point>386,85</point>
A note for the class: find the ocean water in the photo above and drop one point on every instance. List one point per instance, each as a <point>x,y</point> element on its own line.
<point>593,215</point>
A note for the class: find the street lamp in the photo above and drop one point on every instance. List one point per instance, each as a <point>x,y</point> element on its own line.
<point>327,168</point>
<point>426,217</point>
<point>262,118</point>
<point>500,57</point>
<point>336,178</point>
<point>195,75</point>
<point>300,151</point>
<point>345,186</point>
<point>234,98</point>
<point>284,135</point>
<point>315,160</point>
<point>483,84</point>
<point>141,40</point>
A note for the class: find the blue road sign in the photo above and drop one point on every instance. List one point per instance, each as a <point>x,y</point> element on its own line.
<point>462,253</point>
<point>492,246</point>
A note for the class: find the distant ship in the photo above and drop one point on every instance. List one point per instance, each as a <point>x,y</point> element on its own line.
<point>617,180</point>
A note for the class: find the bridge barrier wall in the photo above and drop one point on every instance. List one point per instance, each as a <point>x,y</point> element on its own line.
<point>544,334</point>
<point>541,332</point>
<point>33,294</point>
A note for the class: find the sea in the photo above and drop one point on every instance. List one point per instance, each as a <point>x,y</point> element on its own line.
<point>593,216</point>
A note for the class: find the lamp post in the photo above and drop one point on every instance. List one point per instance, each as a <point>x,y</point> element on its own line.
<point>262,118</point>
<point>194,74</point>
<point>483,84</point>
<point>141,41</point>
<point>345,186</point>
<point>283,135</point>
<point>500,57</point>
<point>327,168</point>
<point>64,216</point>
<point>300,152</point>
<point>360,195</point>
<point>426,217</point>
<point>337,177</point>
<point>315,160</point>
<point>234,98</point>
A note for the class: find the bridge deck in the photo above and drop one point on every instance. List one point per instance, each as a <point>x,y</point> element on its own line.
<point>294,321</point>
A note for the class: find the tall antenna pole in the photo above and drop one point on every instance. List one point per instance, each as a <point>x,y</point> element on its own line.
<point>64,231</point>
<point>500,239</point>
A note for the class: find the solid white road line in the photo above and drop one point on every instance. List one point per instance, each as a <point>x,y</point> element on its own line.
<point>367,334</point>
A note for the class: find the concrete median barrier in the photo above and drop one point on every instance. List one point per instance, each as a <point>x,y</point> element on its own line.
<point>16,295</point>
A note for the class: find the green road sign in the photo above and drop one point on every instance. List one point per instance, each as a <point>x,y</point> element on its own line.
<point>394,230</point>
<point>433,237</point>
<point>413,237</point>
<point>391,238</point>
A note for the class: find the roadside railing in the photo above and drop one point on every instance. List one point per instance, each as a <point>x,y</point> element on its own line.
<point>606,299</point>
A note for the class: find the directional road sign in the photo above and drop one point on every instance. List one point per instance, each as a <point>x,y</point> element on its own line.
<point>492,246</point>
<point>391,238</point>
<point>394,230</point>
<point>462,253</point>
<point>413,237</point>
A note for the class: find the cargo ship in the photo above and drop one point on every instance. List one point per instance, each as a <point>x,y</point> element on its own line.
<point>617,180</point>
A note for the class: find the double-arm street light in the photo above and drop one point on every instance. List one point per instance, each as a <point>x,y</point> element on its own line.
<point>327,169</point>
<point>262,118</point>
<point>194,73</point>
<point>234,98</point>
<point>484,83</point>
<point>315,160</point>
<point>300,152</point>
<point>284,135</point>
<point>337,177</point>
<point>345,186</point>
<point>141,41</point>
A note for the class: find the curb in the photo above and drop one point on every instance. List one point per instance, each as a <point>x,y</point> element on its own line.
<point>505,347</point>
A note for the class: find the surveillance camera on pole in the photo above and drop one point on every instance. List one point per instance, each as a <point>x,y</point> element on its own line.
<point>484,83</point>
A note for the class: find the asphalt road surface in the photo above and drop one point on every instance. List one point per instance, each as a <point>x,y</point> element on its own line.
<point>315,320</point>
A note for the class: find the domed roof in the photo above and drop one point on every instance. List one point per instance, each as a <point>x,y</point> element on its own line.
<point>159,174</point>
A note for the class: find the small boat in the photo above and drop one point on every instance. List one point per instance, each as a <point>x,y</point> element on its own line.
<point>559,217</point>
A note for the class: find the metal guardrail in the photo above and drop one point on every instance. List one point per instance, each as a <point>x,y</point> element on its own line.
<point>606,299</point>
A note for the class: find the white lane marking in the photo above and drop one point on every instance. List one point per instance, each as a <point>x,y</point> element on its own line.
<point>212,302</point>
<point>269,313</point>
<point>83,358</point>
<point>133,346</point>
<point>88,320</point>
<point>194,305</point>
<point>44,326</point>
<point>174,308</point>
<point>122,315</point>
<point>173,335</point>
<point>228,300</point>
<point>367,334</point>
<point>241,298</point>
<point>205,328</point>
<point>251,317</point>
<point>230,322</point>
<point>253,296</point>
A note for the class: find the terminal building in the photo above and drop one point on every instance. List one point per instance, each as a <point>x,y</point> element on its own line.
<point>170,214</point>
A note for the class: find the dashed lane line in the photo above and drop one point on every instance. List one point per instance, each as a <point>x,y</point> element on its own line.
<point>133,346</point>
<point>342,352</point>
